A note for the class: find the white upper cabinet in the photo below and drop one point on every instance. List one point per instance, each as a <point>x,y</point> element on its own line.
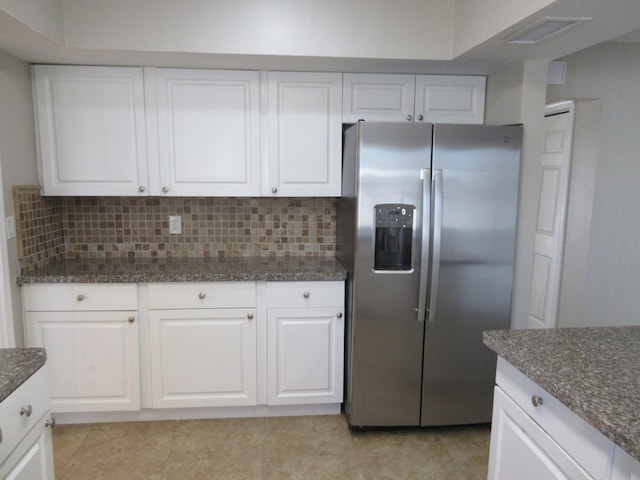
<point>378,98</point>
<point>450,99</point>
<point>208,132</point>
<point>413,98</point>
<point>91,128</point>
<point>304,134</point>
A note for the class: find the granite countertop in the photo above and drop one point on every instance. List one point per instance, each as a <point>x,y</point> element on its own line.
<point>187,270</point>
<point>17,365</point>
<point>593,371</point>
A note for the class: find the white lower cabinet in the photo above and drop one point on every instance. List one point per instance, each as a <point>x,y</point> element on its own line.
<point>26,450</point>
<point>521,449</point>
<point>305,342</point>
<point>92,346</point>
<point>203,358</point>
<point>535,436</point>
<point>203,350</point>
<point>113,348</point>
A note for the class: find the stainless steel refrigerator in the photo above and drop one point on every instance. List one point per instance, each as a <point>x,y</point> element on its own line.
<point>426,230</point>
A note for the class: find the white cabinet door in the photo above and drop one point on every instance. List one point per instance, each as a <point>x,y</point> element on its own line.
<point>37,462</point>
<point>450,99</point>
<point>91,130</point>
<point>304,134</point>
<point>304,355</point>
<point>93,358</point>
<point>203,357</point>
<point>377,98</point>
<point>625,467</point>
<point>521,449</point>
<point>208,136</point>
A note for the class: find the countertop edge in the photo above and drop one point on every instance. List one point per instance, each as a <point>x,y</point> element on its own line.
<point>17,365</point>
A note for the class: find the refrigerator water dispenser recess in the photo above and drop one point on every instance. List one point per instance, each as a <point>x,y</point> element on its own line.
<point>394,233</point>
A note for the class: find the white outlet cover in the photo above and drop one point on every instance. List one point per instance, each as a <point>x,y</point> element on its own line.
<point>11,227</point>
<point>175,224</point>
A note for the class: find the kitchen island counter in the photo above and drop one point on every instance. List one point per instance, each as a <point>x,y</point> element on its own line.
<point>187,269</point>
<point>17,365</point>
<point>593,371</point>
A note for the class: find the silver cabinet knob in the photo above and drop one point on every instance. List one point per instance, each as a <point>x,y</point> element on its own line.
<point>274,190</point>
<point>51,422</point>
<point>165,189</point>
<point>201,295</point>
<point>536,400</point>
<point>339,315</point>
<point>26,411</point>
<point>409,118</point>
<point>131,319</point>
<point>80,297</point>
<point>305,294</point>
<point>250,316</point>
<point>141,188</point>
<point>420,117</point>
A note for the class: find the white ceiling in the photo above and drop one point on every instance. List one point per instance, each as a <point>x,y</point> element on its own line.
<point>611,19</point>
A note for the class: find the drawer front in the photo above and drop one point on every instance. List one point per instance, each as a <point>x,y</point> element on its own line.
<point>33,397</point>
<point>305,294</point>
<point>163,296</point>
<point>586,445</point>
<point>79,297</point>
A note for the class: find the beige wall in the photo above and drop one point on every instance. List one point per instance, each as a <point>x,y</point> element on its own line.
<point>17,153</point>
<point>517,95</point>
<point>611,72</point>
<point>414,29</point>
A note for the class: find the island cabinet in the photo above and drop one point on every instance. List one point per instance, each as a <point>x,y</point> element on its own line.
<point>625,467</point>
<point>203,344</point>
<point>533,435</point>
<point>305,342</point>
<point>26,449</point>
<point>413,98</point>
<point>90,332</point>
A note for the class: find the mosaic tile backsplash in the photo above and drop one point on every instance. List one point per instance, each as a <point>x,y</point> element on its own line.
<point>135,227</point>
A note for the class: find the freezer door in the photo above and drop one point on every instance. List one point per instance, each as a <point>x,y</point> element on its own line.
<point>385,327</point>
<point>476,170</point>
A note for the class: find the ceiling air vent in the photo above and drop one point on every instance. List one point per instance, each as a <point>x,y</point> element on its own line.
<point>542,29</point>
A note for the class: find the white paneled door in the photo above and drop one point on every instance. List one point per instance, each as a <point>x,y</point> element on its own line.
<point>551,220</point>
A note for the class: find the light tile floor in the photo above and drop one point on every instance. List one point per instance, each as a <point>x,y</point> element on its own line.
<point>306,448</point>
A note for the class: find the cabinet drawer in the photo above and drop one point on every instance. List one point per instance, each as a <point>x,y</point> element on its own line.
<point>163,296</point>
<point>305,294</point>
<point>33,393</point>
<point>586,445</point>
<point>79,297</point>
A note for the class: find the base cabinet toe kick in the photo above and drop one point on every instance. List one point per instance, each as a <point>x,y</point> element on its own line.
<point>189,350</point>
<point>534,436</point>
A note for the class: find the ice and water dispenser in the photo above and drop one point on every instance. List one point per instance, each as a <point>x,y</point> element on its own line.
<point>394,233</point>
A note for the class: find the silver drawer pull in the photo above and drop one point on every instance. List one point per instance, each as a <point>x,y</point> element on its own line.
<point>80,297</point>
<point>536,400</point>
<point>51,422</point>
<point>250,316</point>
<point>201,295</point>
<point>305,294</point>
<point>339,315</point>
<point>131,319</point>
<point>26,411</point>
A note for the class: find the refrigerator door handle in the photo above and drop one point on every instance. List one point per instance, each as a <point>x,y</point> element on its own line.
<point>437,241</point>
<point>425,176</point>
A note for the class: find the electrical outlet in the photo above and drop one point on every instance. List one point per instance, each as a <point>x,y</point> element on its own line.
<point>11,227</point>
<point>175,224</point>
